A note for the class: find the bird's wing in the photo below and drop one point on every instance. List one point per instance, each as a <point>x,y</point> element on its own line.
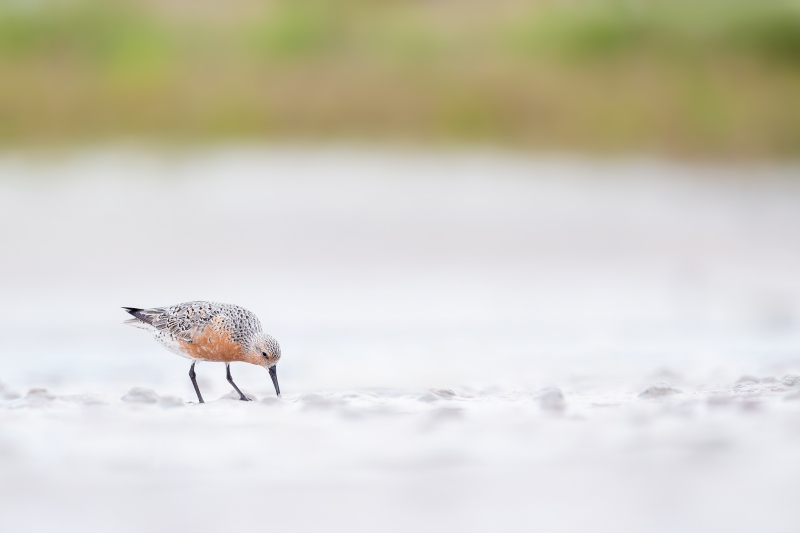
<point>162,319</point>
<point>182,321</point>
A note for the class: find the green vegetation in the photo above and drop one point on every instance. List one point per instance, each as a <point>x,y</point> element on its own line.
<point>766,31</point>
<point>703,77</point>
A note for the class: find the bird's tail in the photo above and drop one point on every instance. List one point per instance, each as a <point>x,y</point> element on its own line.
<point>135,322</point>
<point>141,320</point>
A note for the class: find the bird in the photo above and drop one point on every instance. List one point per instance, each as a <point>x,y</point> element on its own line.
<point>211,331</point>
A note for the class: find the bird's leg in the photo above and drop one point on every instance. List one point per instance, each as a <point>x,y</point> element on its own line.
<point>192,376</point>
<point>230,380</point>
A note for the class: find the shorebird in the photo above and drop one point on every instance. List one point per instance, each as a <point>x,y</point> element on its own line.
<point>210,331</point>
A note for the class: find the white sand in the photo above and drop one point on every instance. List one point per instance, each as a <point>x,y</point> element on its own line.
<point>471,343</point>
<point>393,460</point>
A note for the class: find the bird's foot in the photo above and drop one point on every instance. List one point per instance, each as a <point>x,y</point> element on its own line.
<point>245,399</point>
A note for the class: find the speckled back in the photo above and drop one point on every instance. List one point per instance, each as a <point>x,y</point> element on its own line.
<point>182,319</point>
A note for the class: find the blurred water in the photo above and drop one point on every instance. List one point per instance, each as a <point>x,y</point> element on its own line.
<point>399,269</point>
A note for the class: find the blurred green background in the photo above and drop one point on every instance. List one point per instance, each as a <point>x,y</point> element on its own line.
<point>693,78</point>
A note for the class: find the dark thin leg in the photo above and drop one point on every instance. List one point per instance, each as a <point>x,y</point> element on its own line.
<point>230,380</point>
<point>192,376</point>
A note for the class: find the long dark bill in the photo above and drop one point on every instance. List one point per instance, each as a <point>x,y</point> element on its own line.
<point>273,373</point>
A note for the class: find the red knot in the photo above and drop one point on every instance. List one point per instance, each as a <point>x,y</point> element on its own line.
<point>209,331</point>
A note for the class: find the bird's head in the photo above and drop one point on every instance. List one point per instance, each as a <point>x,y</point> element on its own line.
<point>268,353</point>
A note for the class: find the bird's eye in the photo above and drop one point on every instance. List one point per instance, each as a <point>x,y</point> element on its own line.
<point>264,354</point>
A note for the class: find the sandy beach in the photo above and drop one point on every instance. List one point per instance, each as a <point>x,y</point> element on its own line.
<point>471,342</point>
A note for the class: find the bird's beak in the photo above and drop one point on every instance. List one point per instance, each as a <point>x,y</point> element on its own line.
<point>273,373</point>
